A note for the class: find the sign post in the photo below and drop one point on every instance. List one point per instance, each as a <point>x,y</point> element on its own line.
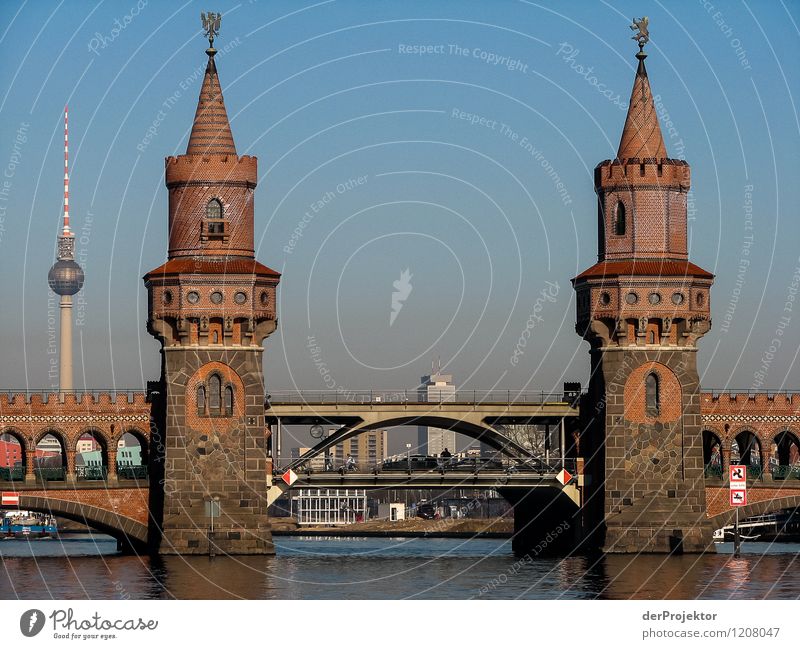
<point>738,498</point>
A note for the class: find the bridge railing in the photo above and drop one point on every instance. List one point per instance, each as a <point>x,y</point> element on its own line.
<point>405,396</point>
<point>417,464</point>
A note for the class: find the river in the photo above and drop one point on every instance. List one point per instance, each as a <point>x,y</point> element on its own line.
<point>88,566</point>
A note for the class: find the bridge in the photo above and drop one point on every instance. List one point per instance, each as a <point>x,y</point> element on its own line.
<point>474,413</point>
<point>758,429</point>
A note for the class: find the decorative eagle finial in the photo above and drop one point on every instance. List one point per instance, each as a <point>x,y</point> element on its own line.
<point>643,35</point>
<point>211,22</point>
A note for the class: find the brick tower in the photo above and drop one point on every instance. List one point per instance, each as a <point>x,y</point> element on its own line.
<point>211,305</point>
<point>643,307</point>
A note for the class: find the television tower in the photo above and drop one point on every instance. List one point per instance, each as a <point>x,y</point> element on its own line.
<point>66,276</point>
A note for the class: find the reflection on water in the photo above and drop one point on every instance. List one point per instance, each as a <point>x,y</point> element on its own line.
<point>86,566</point>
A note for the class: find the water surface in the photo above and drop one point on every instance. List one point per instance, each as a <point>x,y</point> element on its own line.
<point>88,566</point>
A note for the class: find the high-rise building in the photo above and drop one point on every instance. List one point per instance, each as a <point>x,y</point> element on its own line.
<point>65,277</point>
<point>435,388</point>
<point>315,463</point>
<point>367,449</point>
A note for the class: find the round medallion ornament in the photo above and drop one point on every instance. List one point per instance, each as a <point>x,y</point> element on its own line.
<point>631,298</point>
<point>605,298</point>
<point>654,298</point>
<point>677,298</point>
<point>216,297</point>
<point>240,297</point>
<point>193,297</point>
<point>264,298</point>
<point>167,297</point>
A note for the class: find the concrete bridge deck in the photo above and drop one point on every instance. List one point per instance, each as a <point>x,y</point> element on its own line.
<point>488,408</point>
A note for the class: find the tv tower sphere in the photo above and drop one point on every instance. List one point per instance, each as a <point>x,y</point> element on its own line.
<point>65,277</point>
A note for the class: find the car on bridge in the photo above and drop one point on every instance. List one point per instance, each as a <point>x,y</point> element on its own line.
<point>473,464</point>
<point>411,463</point>
<point>536,465</point>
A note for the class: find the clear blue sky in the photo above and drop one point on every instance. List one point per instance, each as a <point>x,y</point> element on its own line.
<point>327,92</point>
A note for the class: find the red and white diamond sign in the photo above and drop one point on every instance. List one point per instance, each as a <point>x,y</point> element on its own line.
<point>564,476</point>
<point>738,497</point>
<point>290,477</point>
<point>10,498</point>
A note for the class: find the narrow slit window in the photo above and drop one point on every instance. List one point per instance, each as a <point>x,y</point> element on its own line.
<point>228,400</point>
<point>214,394</point>
<point>652,394</point>
<point>201,400</point>
<point>619,219</point>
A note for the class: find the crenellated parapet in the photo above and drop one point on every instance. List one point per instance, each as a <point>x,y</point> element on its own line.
<point>197,169</point>
<point>766,416</point>
<point>733,403</point>
<point>642,172</point>
<point>86,402</point>
<point>107,416</point>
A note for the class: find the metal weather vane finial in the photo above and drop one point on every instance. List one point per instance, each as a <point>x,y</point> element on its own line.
<point>643,35</point>
<point>211,22</point>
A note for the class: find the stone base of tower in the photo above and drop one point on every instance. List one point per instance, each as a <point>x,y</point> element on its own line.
<point>656,526</point>
<point>222,541</point>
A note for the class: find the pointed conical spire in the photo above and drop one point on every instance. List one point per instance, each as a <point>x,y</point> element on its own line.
<point>211,131</point>
<point>641,137</point>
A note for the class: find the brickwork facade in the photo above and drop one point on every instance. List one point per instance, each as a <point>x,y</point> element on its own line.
<point>773,419</point>
<point>28,418</point>
<point>211,306</point>
<point>643,307</point>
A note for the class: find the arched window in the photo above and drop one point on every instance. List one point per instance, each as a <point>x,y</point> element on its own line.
<point>214,226</point>
<point>215,338</point>
<point>201,400</point>
<point>214,394</point>
<point>652,397</point>
<point>652,338</point>
<point>619,219</point>
<point>228,400</point>
<point>214,209</point>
